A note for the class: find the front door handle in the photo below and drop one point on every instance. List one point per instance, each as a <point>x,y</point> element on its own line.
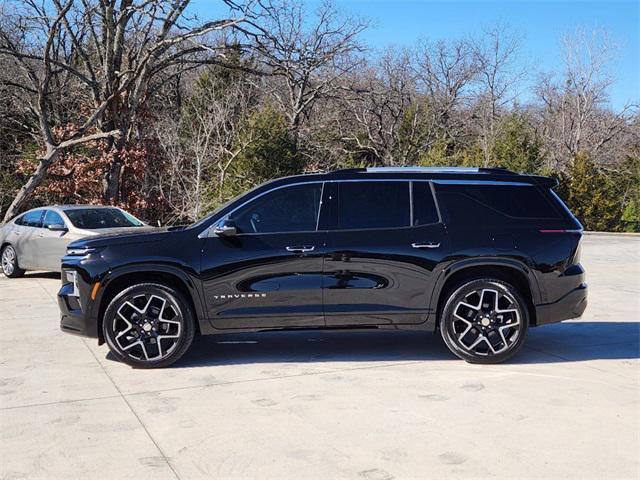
<point>426,245</point>
<point>301,249</point>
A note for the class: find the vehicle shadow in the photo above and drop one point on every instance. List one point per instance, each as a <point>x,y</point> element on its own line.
<point>52,275</point>
<point>564,342</point>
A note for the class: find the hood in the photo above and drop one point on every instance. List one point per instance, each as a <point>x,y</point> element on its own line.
<point>116,236</point>
<point>109,232</point>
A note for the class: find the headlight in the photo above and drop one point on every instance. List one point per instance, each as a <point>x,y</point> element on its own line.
<point>71,276</point>
<point>80,251</point>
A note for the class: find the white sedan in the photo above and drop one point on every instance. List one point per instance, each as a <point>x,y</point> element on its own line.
<point>38,239</point>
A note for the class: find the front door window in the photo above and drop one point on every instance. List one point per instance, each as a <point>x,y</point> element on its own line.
<point>291,209</point>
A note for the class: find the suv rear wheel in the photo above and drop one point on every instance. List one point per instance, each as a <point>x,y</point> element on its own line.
<point>148,325</point>
<point>484,321</point>
<point>10,266</point>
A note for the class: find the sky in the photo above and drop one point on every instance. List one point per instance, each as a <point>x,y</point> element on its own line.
<point>541,23</point>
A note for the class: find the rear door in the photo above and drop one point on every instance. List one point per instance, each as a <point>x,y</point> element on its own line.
<point>382,253</point>
<point>50,245</point>
<point>269,275</point>
<point>30,225</point>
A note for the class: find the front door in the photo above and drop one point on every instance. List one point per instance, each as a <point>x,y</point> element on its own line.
<point>268,275</point>
<point>50,245</point>
<point>382,253</point>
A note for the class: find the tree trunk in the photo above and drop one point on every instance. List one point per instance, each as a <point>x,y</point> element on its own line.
<point>34,182</point>
<point>112,183</point>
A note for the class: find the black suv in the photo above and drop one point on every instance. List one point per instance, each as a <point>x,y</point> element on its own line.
<point>478,254</point>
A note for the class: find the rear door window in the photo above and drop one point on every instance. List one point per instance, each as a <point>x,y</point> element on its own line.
<point>32,219</point>
<point>373,205</point>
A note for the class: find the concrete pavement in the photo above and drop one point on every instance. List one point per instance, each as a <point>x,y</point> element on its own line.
<point>371,406</point>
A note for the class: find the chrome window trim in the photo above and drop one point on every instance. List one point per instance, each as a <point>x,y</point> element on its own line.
<point>435,200</point>
<point>320,207</point>
<point>482,182</point>
<point>411,203</point>
<point>204,233</point>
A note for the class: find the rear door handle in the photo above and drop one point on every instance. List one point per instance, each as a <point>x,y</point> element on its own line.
<point>426,245</point>
<point>301,249</point>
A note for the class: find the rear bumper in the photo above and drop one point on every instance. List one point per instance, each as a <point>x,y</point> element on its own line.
<point>72,318</point>
<point>572,305</point>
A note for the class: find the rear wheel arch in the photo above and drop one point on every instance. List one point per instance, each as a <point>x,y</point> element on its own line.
<point>513,274</point>
<point>124,280</point>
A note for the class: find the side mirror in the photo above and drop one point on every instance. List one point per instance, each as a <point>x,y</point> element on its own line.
<point>227,228</point>
<point>57,227</point>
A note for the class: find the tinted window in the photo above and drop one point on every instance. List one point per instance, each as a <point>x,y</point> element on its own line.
<point>424,207</point>
<point>31,219</point>
<point>290,209</point>
<point>373,205</point>
<point>97,218</point>
<point>491,204</point>
<point>52,218</point>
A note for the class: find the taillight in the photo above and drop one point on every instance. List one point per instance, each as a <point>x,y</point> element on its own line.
<point>576,256</point>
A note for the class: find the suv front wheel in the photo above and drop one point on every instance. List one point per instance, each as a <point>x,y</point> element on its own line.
<point>484,321</point>
<point>148,325</point>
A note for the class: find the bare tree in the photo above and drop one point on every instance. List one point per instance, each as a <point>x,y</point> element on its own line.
<point>576,116</point>
<point>202,143</point>
<point>107,53</point>
<point>445,73</point>
<point>305,56</point>
<point>382,103</point>
<point>497,55</point>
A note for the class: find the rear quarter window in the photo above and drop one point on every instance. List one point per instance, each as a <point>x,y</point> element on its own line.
<point>477,204</point>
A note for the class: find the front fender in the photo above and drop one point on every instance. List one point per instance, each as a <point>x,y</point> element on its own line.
<point>191,283</point>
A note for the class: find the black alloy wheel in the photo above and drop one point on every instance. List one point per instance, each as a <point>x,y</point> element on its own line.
<point>484,321</point>
<point>149,325</point>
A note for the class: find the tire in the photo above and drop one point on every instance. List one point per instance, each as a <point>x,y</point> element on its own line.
<point>9,263</point>
<point>484,321</point>
<point>149,325</point>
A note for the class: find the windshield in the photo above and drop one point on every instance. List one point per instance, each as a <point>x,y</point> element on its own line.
<point>97,218</point>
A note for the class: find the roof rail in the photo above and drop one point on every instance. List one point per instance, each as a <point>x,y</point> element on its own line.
<point>505,171</point>
<point>422,169</point>
<point>413,169</point>
<point>349,170</point>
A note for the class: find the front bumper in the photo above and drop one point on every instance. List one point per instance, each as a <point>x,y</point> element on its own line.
<point>572,305</point>
<point>73,317</point>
